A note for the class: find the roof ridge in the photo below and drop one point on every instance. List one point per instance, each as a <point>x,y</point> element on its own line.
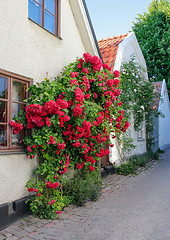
<point>105,39</point>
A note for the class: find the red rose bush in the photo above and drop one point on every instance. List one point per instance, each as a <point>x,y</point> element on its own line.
<point>70,118</point>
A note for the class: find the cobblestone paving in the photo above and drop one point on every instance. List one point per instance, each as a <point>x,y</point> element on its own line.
<point>131,207</point>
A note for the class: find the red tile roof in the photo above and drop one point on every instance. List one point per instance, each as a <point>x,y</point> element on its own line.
<point>157,90</point>
<point>108,48</point>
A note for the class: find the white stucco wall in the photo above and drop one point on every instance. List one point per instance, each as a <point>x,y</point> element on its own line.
<point>15,171</point>
<point>29,50</point>
<point>164,123</point>
<point>140,146</point>
<point>125,50</point>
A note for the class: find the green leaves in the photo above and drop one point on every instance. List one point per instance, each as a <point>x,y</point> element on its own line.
<point>137,95</point>
<point>152,32</point>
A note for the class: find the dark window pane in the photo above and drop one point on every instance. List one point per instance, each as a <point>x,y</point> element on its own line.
<point>3,87</point>
<point>16,107</point>
<point>50,6</point>
<point>18,91</point>
<point>3,112</point>
<point>49,22</point>
<point>17,138</point>
<point>3,136</point>
<point>34,11</point>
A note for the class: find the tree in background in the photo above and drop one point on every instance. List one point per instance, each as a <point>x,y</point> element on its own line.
<point>152,32</point>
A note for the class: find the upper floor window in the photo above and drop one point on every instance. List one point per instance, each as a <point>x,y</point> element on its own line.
<point>12,95</point>
<point>46,14</point>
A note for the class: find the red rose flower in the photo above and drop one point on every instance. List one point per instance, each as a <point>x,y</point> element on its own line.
<point>30,189</point>
<point>116,73</point>
<point>61,146</point>
<point>77,110</point>
<point>57,152</point>
<point>91,168</point>
<point>76,144</point>
<point>29,149</point>
<point>79,95</point>
<point>79,66</point>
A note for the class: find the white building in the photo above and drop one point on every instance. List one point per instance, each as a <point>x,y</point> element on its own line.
<point>38,38</point>
<point>114,52</point>
<point>162,124</point>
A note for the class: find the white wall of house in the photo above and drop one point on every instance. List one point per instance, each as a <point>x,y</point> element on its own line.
<point>29,50</point>
<point>164,123</point>
<point>125,50</point>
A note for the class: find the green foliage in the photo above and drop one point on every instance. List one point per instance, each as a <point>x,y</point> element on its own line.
<point>42,206</point>
<point>70,118</point>
<point>152,32</point>
<point>160,151</point>
<point>138,96</point>
<point>125,169</point>
<point>84,187</point>
<point>124,146</point>
<point>133,164</point>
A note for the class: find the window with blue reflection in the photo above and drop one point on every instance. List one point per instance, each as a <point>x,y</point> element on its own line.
<point>50,6</point>
<point>35,11</point>
<point>44,13</point>
<point>49,22</point>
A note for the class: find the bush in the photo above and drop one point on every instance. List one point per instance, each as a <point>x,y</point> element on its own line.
<point>160,151</point>
<point>132,165</point>
<point>126,168</point>
<point>70,118</point>
<point>84,187</point>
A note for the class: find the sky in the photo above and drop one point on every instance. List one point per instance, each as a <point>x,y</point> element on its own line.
<point>114,17</point>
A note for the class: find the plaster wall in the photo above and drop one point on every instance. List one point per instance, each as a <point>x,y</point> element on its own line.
<point>140,146</point>
<point>15,171</point>
<point>29,50</point>
<point>164,123</point>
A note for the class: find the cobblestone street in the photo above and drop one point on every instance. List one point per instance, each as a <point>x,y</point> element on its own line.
<point>131,207</point>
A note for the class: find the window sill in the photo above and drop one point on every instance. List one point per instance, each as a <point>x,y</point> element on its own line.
<point>141,140</point>
<point>11,152</point>
<point>45,29</point>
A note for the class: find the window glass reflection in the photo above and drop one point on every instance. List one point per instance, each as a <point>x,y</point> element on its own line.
<point>3,87</point>
<point>3,135</point>
<point>3,111</point>
<point>16,107</point>
<point>50,6</point>
<point>34,11</point>
<point>49,22</point>
<point>17,138</point>
<point>18,91</point>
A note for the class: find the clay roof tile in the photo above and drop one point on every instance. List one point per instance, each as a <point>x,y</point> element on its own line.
<point>108,48</point>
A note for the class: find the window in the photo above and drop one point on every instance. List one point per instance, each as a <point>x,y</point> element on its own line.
<point>12,94</point>
<point>46,14</point>
<point>141,132</point>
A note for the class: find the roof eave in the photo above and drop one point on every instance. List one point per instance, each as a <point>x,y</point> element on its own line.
<point>84,24</point>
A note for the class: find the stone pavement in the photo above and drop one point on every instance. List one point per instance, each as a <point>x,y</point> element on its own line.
<point>131,207</point>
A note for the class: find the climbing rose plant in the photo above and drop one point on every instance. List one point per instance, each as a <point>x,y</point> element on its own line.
<point>70,118</point>
<point>139,97</point>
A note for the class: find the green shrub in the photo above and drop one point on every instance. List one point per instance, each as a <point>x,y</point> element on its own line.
<point>134,163</point>
<point>84,187</point>
<point>160,151</point>
<point>126,168</point>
